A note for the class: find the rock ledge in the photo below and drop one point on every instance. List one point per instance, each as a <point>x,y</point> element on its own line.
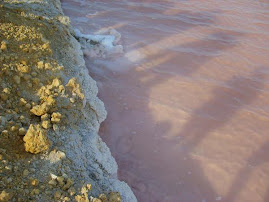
<point>50,114</point>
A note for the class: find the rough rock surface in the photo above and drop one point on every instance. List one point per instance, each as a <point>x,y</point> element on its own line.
<point>49,112</point>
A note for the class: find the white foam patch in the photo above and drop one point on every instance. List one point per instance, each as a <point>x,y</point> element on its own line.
<point>100,45</point>
<point>134,56</point>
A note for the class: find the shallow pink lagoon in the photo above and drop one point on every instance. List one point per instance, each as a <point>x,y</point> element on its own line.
<point>188,101</point>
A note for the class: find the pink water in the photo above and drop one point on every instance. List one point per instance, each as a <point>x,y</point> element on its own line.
<point>188,101</point>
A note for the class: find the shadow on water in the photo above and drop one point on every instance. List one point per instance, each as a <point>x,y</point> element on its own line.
<point>189,57</point>
<point>264,3</point>
<point>226,102</point>
<point>258,158</point>
<point>222,107</point>
<point>215,114</point>
<point>155,38</point>
<point>185,63</point>
<point>169,56</point>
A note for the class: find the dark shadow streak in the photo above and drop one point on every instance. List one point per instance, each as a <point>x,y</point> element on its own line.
<point>185,61</point>
<point>258,158</point>
<point>217,112</point>
<point>197,128</point>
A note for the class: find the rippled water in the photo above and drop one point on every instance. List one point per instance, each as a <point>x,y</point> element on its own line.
<point>188,101</point>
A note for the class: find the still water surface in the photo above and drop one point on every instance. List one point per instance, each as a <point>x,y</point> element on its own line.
<point>188,101</point>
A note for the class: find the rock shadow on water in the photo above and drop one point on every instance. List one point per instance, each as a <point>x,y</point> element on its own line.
<point>214,44</point>
<point>215,114</point>
<point>184,65</point>
<point>257,159</point>
<point>203,186</point>
<point>224,105</point>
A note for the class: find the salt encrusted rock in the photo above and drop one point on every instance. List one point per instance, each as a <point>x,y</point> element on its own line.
<point>53,182</point>
<point>25,172</point>
<point>35,182</point>
<point>56,117</point>
<point>103,197</point>
<point>57,195</point>
<point>60,180</point>
<point>68,184</point>
<point>5,196</point>
<point>36,139</point>
<point>22,131</point>
<point>40,110</point>
<point>3,46</point>
<point>75,87</point>
<point>114,197</point>
<point>96,200</point>
<point>46,124</point>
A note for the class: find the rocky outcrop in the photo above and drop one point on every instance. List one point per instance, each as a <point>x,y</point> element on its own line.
<point>49,112</point>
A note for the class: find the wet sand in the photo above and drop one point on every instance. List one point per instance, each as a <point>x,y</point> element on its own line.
<point>188,101</point>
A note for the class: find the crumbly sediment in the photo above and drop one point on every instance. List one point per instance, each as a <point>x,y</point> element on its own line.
<point>49,112</point>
